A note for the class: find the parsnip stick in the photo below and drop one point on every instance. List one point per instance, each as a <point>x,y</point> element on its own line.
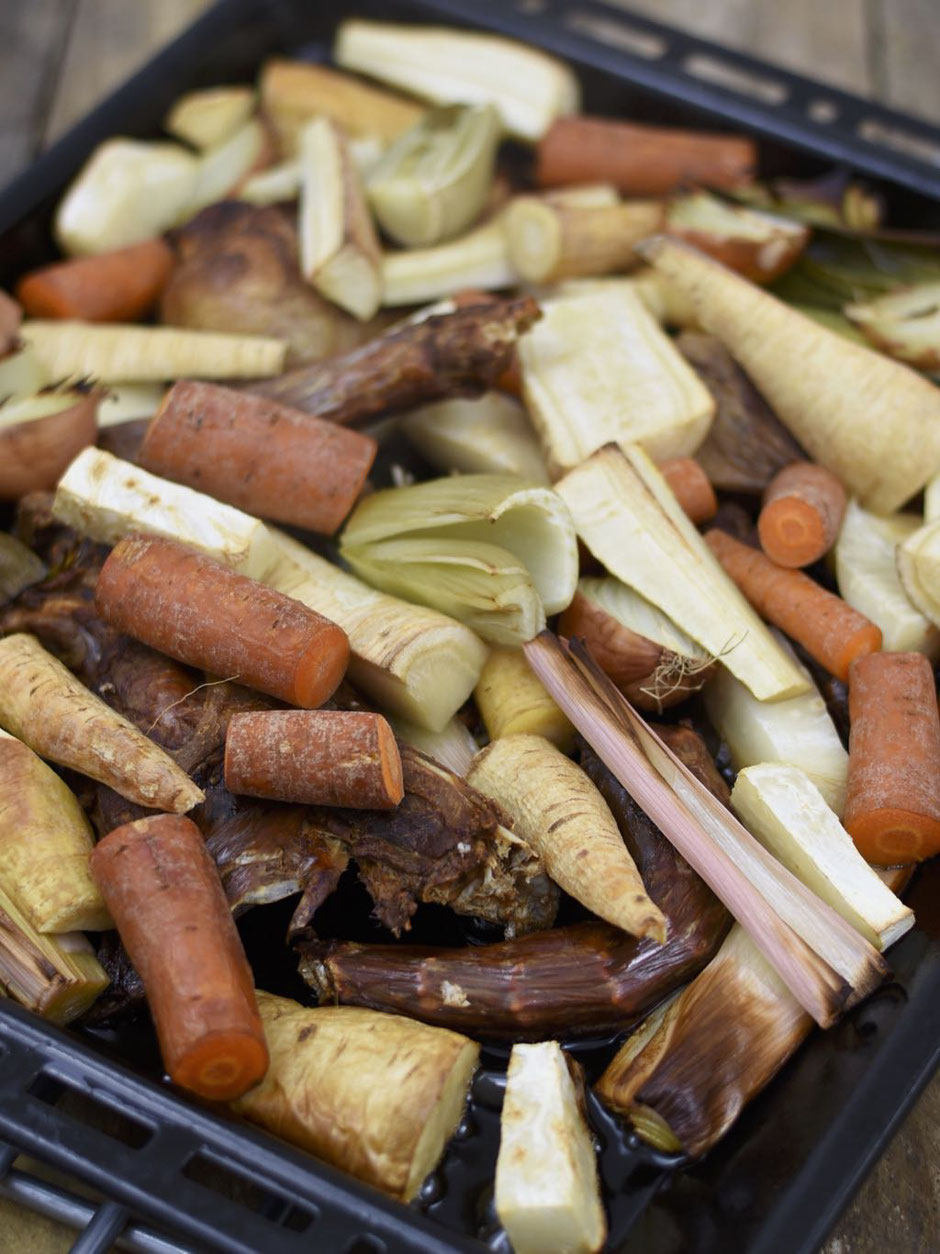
<point>44,705</point>
<point>549,241</point>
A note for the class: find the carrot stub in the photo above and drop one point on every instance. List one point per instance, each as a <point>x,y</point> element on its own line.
<point>119,286</point>
<point>258,455</point>
<point>892,808</point>
<point>315,757</point>
<point>801,515</point>
<point>640,160</point>
<point>199,612</point>
<point>165,897</point>
<point>828,629</point>
<point>691,487</point>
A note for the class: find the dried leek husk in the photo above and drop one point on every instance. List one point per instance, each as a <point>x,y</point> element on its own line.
<point>57,976</point>
<point>453,746</point>
<point>822,960</point>
<point>511,700</point>
<point>798,730</point>
<point>479,584</point>
<point>487,435</point>
<point>785,810</point>
<point>19,567</point>
<point>903,324</point>
<point>628,517</point>
<point>531,521</point>
<point>433,182</point>
<point>528,88</point>
<point>45,843</point>
<point>867,575</point>
<point>479,260</point>
<point>413,661</point>
<point>597,369</point>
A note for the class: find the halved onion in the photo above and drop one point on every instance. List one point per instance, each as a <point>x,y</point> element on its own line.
<point>39,437</point>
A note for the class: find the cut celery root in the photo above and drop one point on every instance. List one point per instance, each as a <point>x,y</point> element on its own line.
<point>127,192</point>
<point>377,1095</point>
<point>479,259</point>
<point>487,435</point>
<point>598,369</point>
<point>412,661</point>
<point>45,841</point>
<point>867,575</point>
<point>557,810</point>
<point>453,746</point>
<point>547,1191</point>
<point>626,514</point>
<point>785,810</point>
<point>873,422</point>
<point>210,116</point>
<point>528,87</point>
<point>511,700</point>
<point>797,730</point>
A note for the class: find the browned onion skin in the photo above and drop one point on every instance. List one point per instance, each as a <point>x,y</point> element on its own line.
<point>571,982</point>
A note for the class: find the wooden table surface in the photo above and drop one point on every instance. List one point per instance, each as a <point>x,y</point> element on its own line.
<point>60,56</point>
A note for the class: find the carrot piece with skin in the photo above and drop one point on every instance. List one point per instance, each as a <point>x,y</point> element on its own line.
<point>802,512</point>
<point>892,808</point>
<point>828,629</point>
<point>119,286</point>
<point>258,455</point>
<point>639,160</point>
<point>315,757</point>
<point>166,898</point>
<point>199,612</point>
<point>691,487</point>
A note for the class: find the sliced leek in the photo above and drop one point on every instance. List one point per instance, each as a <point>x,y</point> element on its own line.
<point>528,88</point>
<point>490,434</point>
<point>867,575</point>
<point>598,369</point>
<point>784,809</point>
<point>797,730</point>
<point>626,514</point>
<point>530,521</point>
<point>433,182</point>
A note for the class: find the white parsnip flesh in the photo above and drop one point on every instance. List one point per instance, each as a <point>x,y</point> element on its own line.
<point>628,517</point>
<point>512,700</point>
<point>479,259</point>
<point>873,422</point>
<point>597,369</point>
<point>210,116</point>
<point>490,434</point>
<point>867,574</point>
<point>798,730</point>
<point>547,1191</point>
<point>225,166</point>
<point>557,810</point>
<point>918,563</point>
<point>784,809</point>
<point>377,1095</point>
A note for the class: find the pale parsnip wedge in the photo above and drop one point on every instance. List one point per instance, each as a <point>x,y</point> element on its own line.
<point>784,809</point>
<point>797,730</point>
<point>598,369</point>
<point>512,700</point>
<point>932,500</point>
<point>626,514</point>
<point>557,810</point>
<point>224,167</point>
<point>278,182</point>
<point>867,575</point>
<point>551,239</point>
<point>339,250</point>
<point>127,192</point>
<point>127,401</point>
<point>479,260</point>
<point>487,435</point>
<point>126,353</point>
<point>873,422</point>
<point>529,88</point>
<point>210,116</point>
<point>547,1192</point>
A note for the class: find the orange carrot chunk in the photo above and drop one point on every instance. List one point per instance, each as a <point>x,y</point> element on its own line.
<point>120,286</point>
<point>315,757</point>
<point>165,896</point>
<point>802,513</point>
<point>199,612</point>
<point>828,629</point>
<point>640,160</point>
<point>892,808</point>
<point>258,455</point>
<point>691,487</point>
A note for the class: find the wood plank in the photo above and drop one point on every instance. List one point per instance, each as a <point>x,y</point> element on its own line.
<point>33,36</point>
<point>110,40</point>
<point>904,55</point>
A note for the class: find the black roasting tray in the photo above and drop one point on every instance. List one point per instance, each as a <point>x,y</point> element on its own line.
<point>174,1175</point>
